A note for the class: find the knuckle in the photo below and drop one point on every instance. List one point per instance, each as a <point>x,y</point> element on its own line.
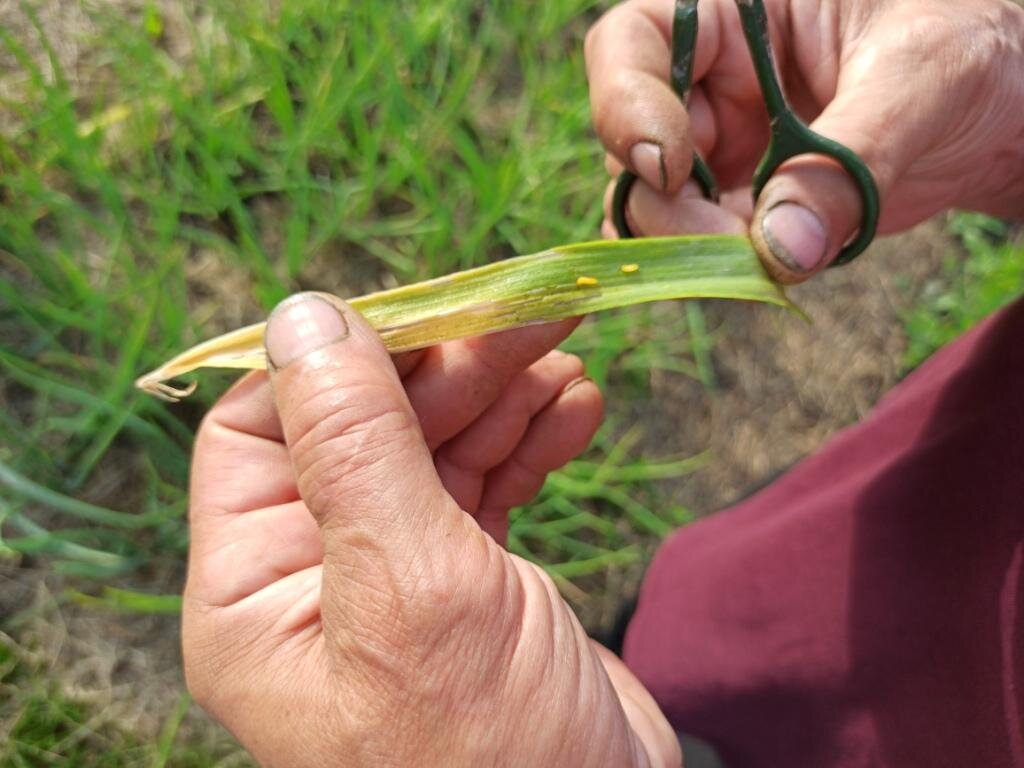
<point>525,480</point>
<point>611,105</point>
<point>592,41</point>
<point>918,34</point>
<point>604,100</point>
<point>342,434</point>
<point>574,367</point>
<point>210,429</point>
<point>349,451</point>
<point>208,422</point>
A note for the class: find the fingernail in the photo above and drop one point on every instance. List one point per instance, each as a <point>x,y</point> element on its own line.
<point>795,235</point>
<point>575,383</point>
<point>648,163</point>
<point>299,325</point>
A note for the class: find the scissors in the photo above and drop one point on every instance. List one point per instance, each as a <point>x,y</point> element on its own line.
<point>789,135</point>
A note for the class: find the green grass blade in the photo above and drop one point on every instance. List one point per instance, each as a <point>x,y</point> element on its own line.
<point>169,733</point>
<point>39,540</point>
<point>24,487</point>
<point>574,569</point>
<point>129,601</point>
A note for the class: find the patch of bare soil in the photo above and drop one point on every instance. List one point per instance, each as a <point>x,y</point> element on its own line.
<point>125,670</point>
<point>787,384</point>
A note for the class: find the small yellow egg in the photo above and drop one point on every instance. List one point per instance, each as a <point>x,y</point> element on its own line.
<point>585,281</point>
<point>628,269</point>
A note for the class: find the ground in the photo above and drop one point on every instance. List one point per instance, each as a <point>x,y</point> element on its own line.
<point>169,170</point>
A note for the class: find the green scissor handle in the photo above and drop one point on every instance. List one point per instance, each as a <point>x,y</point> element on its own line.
<point>789,135</point>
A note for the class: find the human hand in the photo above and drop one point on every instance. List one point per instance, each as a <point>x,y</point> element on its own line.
<point>344,605</point>
<point>929,93</point>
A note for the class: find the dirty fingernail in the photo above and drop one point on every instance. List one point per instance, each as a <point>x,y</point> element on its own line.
<point>302,324</point>
<point>648,163</point>
<point>795,235</point>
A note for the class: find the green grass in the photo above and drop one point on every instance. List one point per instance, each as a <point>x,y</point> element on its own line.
<point>326,145</point>
<point>968,289</point>
<point>587,516</point>
<point>202,165</point>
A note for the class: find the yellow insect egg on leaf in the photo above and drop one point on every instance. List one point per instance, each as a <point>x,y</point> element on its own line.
<point>629,269</point>
<point>585,281</point>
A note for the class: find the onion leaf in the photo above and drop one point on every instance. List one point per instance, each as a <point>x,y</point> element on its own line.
<point>566,281</point>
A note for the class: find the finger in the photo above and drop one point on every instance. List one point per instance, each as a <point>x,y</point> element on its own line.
<point>690,190</point>
<point>247,526</point>
<point>739,202</point>
<point>575,416</point>
<point>686,212</point>
<point>250,552</point>
<point>407,362</point>
<point>613,166</point>
<point>659,214</point>
<point>646,719</point>
<point>702,121</point>
<point>456,382</point>
<point>609,196</point>
<point>239,442</point>
<point>637,116</point>
<point>360,462</point>
<point>463,461</point>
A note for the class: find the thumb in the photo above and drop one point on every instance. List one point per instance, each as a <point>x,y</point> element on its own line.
<point>811,207</point>
<point>360,461</point>
<point>888,110</point>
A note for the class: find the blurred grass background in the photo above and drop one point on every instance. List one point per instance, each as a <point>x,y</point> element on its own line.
<point>168,171</point>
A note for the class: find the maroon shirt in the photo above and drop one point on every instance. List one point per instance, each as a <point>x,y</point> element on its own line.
<point>867,609</point>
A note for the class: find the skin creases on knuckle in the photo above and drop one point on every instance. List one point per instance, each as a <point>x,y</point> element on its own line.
<point>326,392</point>
<point>359,464</point>
<point>349,439</point>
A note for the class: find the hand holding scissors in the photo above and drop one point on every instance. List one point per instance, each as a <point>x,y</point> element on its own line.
<point>902,125</point>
